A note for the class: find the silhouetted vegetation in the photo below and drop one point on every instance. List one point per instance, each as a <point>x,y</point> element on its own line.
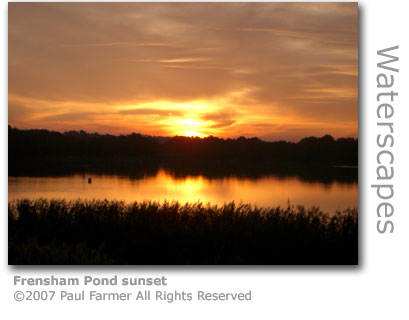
<point>112,232</point>
<point>44,143</point>
<point>45,153</point>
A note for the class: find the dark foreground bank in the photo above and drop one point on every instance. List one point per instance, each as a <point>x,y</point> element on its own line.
<point>148,233</point>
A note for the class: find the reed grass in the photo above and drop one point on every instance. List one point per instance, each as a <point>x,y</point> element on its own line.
<point>151,233</point>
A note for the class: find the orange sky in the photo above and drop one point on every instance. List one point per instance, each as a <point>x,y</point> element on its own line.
<point>272,70</point>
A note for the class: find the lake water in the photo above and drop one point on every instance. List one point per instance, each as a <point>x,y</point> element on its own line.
<point>268,190</point>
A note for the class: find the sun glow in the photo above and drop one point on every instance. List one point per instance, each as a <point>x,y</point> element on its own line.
<point>190,122</point>
<point>190,128</point>
<point>191,133</point>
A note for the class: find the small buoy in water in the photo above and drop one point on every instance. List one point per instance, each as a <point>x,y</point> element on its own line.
<point>89,180</point>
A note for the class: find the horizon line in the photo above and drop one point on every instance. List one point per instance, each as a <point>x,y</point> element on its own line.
<point>182,136</point>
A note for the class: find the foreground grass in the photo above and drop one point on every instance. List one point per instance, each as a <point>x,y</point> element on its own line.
<point>112,232</point>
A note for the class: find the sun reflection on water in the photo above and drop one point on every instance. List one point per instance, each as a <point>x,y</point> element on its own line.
<point>265,191</point>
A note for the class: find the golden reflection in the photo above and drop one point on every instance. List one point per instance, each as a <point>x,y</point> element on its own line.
<point>265,191</point>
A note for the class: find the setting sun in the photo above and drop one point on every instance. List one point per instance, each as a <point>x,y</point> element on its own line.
<point>191,133</point>
<point>127,75</point>
<point>189,128</point>
<point>182,134</point>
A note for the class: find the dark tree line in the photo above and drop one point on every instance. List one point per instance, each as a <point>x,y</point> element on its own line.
<point>44,143</point>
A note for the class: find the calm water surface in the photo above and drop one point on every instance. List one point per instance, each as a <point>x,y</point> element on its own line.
<point>265,191</point>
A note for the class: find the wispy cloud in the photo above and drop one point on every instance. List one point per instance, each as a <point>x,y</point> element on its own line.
<point>183,60</point>
<point>151,111</point>
<point>116,44</point>
<point>271,69</point>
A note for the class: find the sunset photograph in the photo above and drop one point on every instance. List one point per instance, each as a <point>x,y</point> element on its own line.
<point>183,133</point>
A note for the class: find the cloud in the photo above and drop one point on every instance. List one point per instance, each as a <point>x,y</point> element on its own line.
<point>222,124</point>
<point>18,110</point>
<point>72,116</point>
<point>115,44</point>
<point>182,60</point>
<point>147,111</point>
<point>293,60</point>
